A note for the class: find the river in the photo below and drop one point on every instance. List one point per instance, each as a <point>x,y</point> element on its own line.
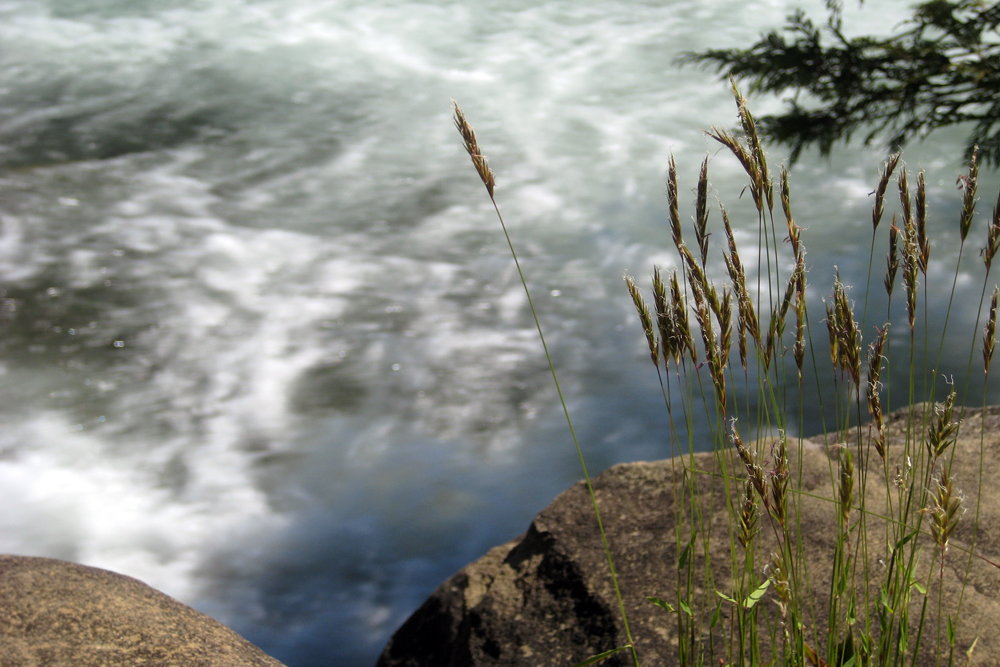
<point>263,344</point>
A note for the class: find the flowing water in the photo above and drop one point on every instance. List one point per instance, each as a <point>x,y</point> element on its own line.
<point>263,345</point>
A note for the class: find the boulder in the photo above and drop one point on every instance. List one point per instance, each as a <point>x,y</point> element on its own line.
<point>546,598</point>
<point>59,614</point>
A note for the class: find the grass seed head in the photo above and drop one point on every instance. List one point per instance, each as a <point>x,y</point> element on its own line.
<point>874,386</point>
<point>673,210</point>
<point>845,488</point>
<point>748,517</point>
<point>701,212</point>
<point>904,196</point>
<point>647,322</point>
<point>755,474</point>
<point>945,510</point>
<point>989,335</point>
<point>992,238</point>
<point>747,160</point>
<point>883,183</point>
<point>472,147</point>
<point>942,432</point>
<point>892,259</point>
<point>923,244</point>
<point>779,476</point>
<point>786,206</point>
<point>968,183</point>
<point>682,325</point>
<point>664,318</point>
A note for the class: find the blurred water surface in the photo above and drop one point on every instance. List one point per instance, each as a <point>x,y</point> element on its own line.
<point>263,346</point>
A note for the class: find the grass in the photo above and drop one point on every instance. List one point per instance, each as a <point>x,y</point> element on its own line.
<point>894,506</point>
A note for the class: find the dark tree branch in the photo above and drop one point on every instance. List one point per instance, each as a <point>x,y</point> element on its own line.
<point>942,69</point>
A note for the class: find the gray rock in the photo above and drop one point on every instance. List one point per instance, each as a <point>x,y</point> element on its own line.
<point>59,614</point>
<point>546,598</point>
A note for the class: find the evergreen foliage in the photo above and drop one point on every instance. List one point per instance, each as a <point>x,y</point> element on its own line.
<point>941,68</point>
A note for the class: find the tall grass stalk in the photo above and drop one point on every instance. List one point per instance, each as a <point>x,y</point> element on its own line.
<point>486,175</point>
<point>883,601</point>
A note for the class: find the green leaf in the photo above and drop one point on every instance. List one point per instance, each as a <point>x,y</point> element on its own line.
<point>716,615</point>
<point>755,597</point>
<point>884,600</point>
<point>725,597</point>
<point>951,631</point>
<point>919,587</point>
<point>902,542</point>
<point>687,551</point>
<point>662,604</point>
<point>601,656</point>
<point>685,608</point>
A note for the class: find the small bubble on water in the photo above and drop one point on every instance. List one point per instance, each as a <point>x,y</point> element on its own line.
<point>117,252</point>
<point>119,343</point>
<point>99,420</point>
<point>78,427</point>
<point>69,201</point>
<point>396,367</point>
<point>72,332</point>
<point>555,292</point>
<point>107,283</point>
<point>343,353</point>
<point>52,291</point>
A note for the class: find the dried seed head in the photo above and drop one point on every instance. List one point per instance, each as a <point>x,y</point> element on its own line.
<point>748,517</point>
<point>904,197</point>
<point>715,367</point>
<point>845,489</point>
<point>875,358</point>
<point>911,268</point>
<point>883,183</point>
<point>757,150</point>
<point>786,206</point>
<point>923,244</point>
<point>942,432</point>
<point>777,326</point>
<point>672,205</point>
<point>845,338</point>
<point>645,319</point>
<point>799,348</point>
<point>746,159</point>
<point>779,481</point>
<point>892,260</point>
<point>780,581</point>
<point>989,336</point>
<point>664,319</point>
<point>725,316</point>
<point>696,274</point>
<point>968,183</point>
<point>701,213</point>
<point>755,474</point>
<point>472,147</point>
<point>992,238</point>
<point>682,326</point>
<point>944,511</point>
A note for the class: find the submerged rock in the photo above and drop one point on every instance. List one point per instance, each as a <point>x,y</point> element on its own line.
<point>60,614</point>
<point>547,599</point>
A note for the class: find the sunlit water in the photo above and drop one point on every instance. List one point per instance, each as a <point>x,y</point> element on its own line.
<point>263,344</point>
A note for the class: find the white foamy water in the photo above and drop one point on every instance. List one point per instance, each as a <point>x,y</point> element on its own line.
<point>263,346</point>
